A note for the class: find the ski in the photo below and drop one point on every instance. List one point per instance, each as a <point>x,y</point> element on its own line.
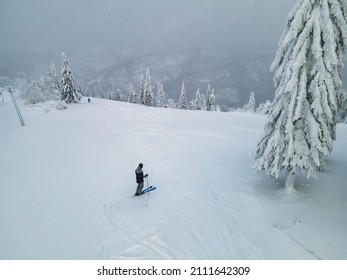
<point>149,189</point>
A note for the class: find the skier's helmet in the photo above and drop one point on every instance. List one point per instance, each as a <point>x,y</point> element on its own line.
<point>141,165</point>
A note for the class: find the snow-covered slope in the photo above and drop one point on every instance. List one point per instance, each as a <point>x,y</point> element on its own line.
<point>67,180</point>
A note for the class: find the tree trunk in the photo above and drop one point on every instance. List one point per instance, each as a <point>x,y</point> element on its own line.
<point>290,180</point>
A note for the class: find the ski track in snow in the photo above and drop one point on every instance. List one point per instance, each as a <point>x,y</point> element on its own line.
<point>228,241</point>
<point>209,202</point>
<point>138,132</point>
<point>136,227</point>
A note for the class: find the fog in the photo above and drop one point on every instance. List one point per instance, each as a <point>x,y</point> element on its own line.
<point>134,27</point>
<point>227,43</point>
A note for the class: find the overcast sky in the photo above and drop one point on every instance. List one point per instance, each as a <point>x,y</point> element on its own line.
<point>140,26</point>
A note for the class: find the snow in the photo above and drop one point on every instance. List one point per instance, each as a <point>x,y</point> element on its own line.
<point>67,180</point>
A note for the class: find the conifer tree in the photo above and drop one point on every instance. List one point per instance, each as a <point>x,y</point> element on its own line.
<point>170,103</point>
<point>250,106</point>
<point>132,98</point>
<point>196,102</point>
<point>265,107</point>
<point>160,99</point>
<point>141,96</point>
<point>208,93</point>
<point>182,103</point>
<point>69,90</point>
<point>300,128</point>
<point>116,93</point>
<point>203,102</point>
<point>212,101</point>
<point>342,114</point>
<point>53,80</point>
<point>148,89</point>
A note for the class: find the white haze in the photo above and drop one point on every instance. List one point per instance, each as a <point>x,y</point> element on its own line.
<point>125,29</point>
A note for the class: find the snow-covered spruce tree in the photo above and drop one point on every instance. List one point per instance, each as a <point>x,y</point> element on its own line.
<point>203,102</point>
<point>250,106</point>
<point>182,102</point>
<point>300,128</point>
<point>264,108</point>
<point>148,89</point>
<point>132,98</point>
<point>69,90</point>
<point>196,102</point>
<point>211,101</point>
<point>116,93</point>
<point>141,95</point>
<point>208,93</point>
<point>160,99</point>
<point>55,84</point>
<point>170,103</point>
<point>342,113</point>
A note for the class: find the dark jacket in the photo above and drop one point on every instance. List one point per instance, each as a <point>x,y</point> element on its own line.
<point>139,175</point>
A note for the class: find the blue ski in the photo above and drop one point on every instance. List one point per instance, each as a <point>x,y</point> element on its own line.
<point>149,189</point>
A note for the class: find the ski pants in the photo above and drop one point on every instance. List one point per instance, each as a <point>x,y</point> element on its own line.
<point>139,188</point>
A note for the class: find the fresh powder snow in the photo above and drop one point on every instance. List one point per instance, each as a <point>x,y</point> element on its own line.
<point>67,183</point>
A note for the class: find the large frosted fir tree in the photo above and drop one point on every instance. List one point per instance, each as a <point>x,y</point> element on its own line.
<point>69,90</point>
<point>300,129</point>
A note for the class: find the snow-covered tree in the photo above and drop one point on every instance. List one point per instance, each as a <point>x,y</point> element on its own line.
<point>264,108</point>
<point>54,80</point>
<point>208,94</point>
<point>41,90</point>
<point>342,101</point>
<point>31,92</point>
<point>203,102</point>
<point>211,101</point>
<point>300,128</point>
<point>171,103</point>
<point>195,104</point>
<point>250,106</point>
<point>69,90</point>
<point>148,89</point>
<point>141,95</point>
<point>160,100</point>
<point>132,97</point>
<point>115,94</point>
<point>182,102</point>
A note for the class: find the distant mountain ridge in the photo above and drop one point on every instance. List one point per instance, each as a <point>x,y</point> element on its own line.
<point>233,73</point>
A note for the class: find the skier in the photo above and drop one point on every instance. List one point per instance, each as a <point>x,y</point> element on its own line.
<point>139,179</point>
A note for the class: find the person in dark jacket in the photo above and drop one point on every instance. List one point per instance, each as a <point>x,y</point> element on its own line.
<point>139,179</point>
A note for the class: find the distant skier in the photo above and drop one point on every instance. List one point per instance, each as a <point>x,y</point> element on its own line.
<point>139,179</point>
